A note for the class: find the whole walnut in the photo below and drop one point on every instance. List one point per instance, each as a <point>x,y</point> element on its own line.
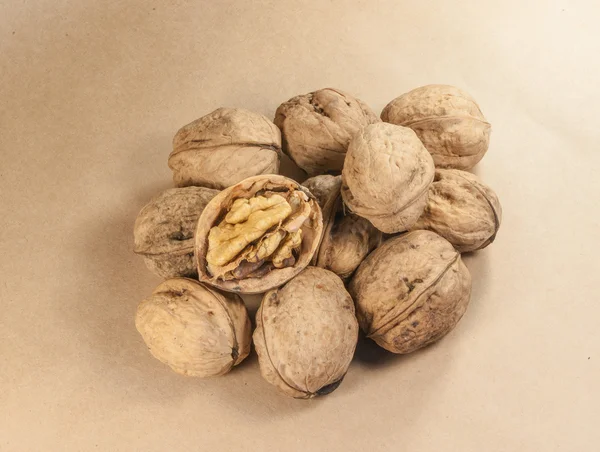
<point>317,127</point>
<point>347,238</point>
<point>386,176</point>
<point>164,230</point>
<point>447,120</point>
<point>306,334</point>
<point>462,209</point>
<point>256,235</point>
<point>225,147</point>
<point>411,291</point>
<point>194,329</point>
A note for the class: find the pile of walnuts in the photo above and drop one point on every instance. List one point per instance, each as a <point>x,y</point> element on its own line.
<point>372,239</point>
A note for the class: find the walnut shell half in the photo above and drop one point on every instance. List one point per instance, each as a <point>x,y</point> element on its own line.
<point>317,127</point>
<point>447,120</point>
<point>225,147</point>
<point>164,230</point>
<point>257,234</point>
<point>386,176</point>
<point>411,291</point>
<point>194,329</point>
<point>306,334</point>
<point>462,209</point>
<point>347,238</point>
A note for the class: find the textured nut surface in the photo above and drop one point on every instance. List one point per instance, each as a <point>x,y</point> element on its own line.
<point>257,234</point>
<point>447,120</point>
<point>347,238</point>
<point>306,333</point>
<point>225,147</point>
<point>462,209</point>
<point>164,230</point>
<point>386,176</point>
<point>317,127</point>
<point>193,328</point>
<point>411,291</point>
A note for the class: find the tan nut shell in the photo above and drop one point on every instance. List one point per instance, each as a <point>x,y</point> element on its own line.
<point>194,329</point>
<point>411,291</point>
<point>164,230</point>
<point>447,120</point>
<point>317,127</point>
<point>306,333</point>
<point>347,238</point>
<point>215,210</point>
<point>386,176</point>
<point>462,209</point>
<point>225,147</point>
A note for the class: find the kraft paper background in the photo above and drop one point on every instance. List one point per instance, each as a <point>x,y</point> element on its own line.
<point>91,94</point>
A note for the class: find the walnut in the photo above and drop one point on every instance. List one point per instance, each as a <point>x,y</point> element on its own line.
<point>225,147</point>
<point>257,234</point>
<point>447,120</point>
<point>317,127</point>
<point>306,333</point>
<point>461,209</point>
<point>411,291</point>
<point>386,176</point>
<point>164,230</point>
<point>347,238</point>
<point>193,328</point>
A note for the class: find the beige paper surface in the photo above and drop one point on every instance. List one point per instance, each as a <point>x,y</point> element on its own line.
<point>91,94</point>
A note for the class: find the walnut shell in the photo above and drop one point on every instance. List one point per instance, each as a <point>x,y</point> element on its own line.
<point>164,230</point>
<point>225,147</point>
<point>194,329</point>
<point>257,234</point>
<point>386,176</point>
<point>317,127</point>
<point>347,238</point>
<point>411,291</point>
<point>461,209</point>
<point>447,120</point>
<point>306,333</point>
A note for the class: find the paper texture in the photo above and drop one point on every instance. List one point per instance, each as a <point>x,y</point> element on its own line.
<point>91,94</point>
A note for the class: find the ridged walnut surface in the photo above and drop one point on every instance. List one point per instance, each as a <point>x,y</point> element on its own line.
<point>225,147</point>
<point>317,127</point>
<point>386,176</point>
<point>306,334</point>
<point>447,120</point>
<point>411,291</point>
<point>194,329</point>
<point>462,209</point>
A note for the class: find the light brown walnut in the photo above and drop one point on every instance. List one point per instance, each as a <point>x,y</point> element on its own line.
<point>257,234</point>
<point>347,238</point>
<point>194,329</point>
<point>411,291</point>
<point>306,334</point>
<point>386,176</point>
<point>164,230</point>
<point>225,147</point>
<point>447,120</point>
<point>462,209</point>
<point>317,127</point>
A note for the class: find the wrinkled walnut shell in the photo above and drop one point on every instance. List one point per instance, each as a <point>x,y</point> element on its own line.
<point>347,238</point>
<point>462,209</point>
<point>411,291</point>
<point>306,334</point>
<point>218,208</point>
<point>447,120</point>
<point>225,147</point>
<point>164,230</point>
<point>317,127</point>
<point>194,329</point>
<point>386,176</point>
